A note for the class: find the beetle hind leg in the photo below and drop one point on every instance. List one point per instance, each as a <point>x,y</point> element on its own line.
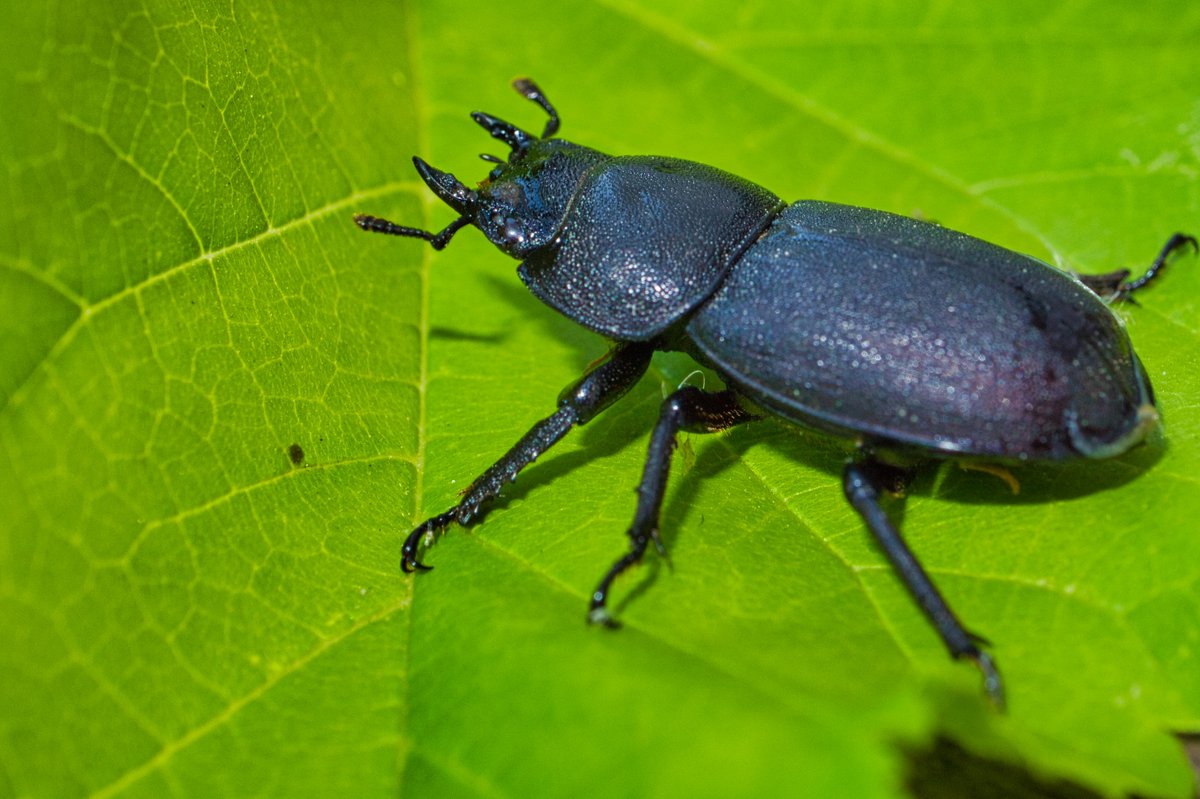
<point>863,483</point>
<point>689,409</point>
<point>1117,285</point>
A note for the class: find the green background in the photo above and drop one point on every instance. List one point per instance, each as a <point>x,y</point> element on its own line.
<point>183,296</point>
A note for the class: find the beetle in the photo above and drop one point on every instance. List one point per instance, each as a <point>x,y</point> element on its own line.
<point>916,342</point>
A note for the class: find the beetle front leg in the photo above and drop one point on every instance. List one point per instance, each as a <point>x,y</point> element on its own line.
<point>374,224</point>
<point>687,409</point>
<point>863,483</point>
<point>603,384</point>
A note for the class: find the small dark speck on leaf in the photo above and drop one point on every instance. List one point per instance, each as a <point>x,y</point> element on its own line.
<point>296,453</point>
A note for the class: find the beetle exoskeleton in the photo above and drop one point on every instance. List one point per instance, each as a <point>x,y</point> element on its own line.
<point>915,341</point>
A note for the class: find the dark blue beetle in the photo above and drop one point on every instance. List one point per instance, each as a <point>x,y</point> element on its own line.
<point>915,341</point>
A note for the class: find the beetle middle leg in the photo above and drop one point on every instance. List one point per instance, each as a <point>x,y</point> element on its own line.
<point>603,384</point>
<point>689,409</point>
<point>864,481</point>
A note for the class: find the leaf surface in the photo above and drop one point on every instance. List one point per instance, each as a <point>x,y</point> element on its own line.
<point>193,605</point>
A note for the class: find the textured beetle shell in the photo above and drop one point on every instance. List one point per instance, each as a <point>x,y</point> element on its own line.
<point>645,240</point>
<point>867,323</point>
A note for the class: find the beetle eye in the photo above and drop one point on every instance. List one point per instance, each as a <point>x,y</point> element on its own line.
<point>513,232</point>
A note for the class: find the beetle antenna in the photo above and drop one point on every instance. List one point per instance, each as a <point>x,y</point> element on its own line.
<point>506,132</point>
<point>530,91</point>
<point>375,224</point>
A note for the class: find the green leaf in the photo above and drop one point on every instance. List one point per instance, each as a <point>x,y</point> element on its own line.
<point>191,605</point>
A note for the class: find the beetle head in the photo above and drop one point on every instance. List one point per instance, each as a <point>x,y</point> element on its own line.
<point>522,202</point>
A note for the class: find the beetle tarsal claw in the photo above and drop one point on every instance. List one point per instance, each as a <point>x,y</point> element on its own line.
<point>599,615</point>
<point>409,564</point>
<point>658,545</point>
<point>993,686</point>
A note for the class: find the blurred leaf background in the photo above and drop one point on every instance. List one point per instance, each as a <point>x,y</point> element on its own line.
<point>183,297</point>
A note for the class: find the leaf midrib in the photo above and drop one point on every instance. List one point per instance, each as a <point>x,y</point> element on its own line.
<point>88,311</point>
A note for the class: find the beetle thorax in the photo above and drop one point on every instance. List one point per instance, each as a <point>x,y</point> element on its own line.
<point>644,241</point>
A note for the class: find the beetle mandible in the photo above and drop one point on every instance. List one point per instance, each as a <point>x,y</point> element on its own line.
<point>913,340</point>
